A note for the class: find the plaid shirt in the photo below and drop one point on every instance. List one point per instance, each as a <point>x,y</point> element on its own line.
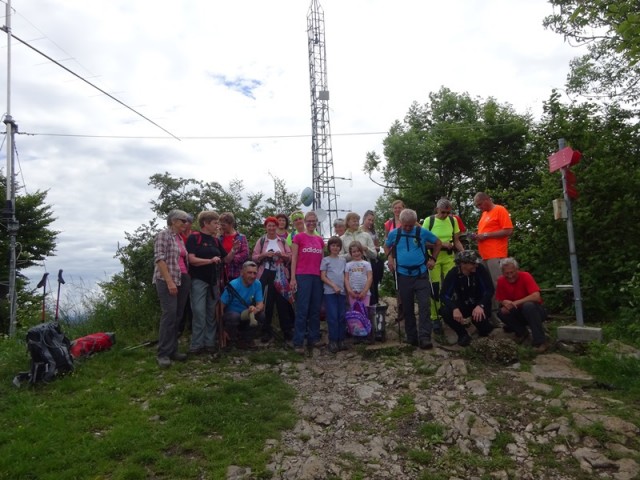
<point>167,248</point>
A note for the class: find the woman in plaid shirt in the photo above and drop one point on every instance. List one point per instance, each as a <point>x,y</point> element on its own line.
<point>172,281</point>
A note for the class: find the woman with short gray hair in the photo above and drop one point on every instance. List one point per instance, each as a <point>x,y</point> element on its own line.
<point>172,281</point>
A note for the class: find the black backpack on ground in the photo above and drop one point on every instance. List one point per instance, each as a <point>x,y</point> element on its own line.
<point>49,349</point>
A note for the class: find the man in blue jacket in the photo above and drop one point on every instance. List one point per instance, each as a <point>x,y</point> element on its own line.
<point>406,248</point>
<point>243,305</point>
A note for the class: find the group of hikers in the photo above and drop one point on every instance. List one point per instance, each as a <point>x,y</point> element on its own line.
<point>231,291</point>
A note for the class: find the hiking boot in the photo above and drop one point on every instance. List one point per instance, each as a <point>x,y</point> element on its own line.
<point>179,357</point>
<point>333,347</point>
<point>425,344</point>
<point>266,337</point>
<point>196,351</point>
<point>464,341</point>
<point>412,342</point>
<point>299,350</point>
<point>246,345</point>
<point>543,347</point>
<point>164,362</point>
<point>342,346</point>
<point>437,327</point>
<point>520,339</point>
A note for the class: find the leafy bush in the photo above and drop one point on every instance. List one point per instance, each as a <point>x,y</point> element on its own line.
<point>627,326</point>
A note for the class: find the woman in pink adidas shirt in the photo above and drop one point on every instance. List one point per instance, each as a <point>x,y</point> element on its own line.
<point>307,250</point>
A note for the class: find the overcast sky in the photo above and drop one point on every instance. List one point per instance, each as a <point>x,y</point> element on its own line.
<point>219,70</point>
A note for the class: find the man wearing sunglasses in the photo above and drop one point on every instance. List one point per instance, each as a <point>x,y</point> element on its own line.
<point>446,227</point>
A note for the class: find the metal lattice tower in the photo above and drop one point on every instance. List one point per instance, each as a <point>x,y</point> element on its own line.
<point>324,186</point>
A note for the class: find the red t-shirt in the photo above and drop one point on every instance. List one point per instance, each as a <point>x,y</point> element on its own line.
<point>524,285</point>
<point>461,224</point>
<point>390,225</point>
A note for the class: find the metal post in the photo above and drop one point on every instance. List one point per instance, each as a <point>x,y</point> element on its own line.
<point>10,210</point>
<point>573,258</point>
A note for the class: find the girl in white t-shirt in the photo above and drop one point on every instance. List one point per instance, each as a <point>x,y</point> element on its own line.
<point>358,275</point>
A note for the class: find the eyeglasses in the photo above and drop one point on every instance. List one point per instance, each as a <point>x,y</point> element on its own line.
<point>184,220</point>
<point>447,212</point>
<point>310,221</point>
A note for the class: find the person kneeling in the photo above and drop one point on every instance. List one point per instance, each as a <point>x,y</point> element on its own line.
<point>521,304</point>
<point>466,297</point>
<point>243,306</point>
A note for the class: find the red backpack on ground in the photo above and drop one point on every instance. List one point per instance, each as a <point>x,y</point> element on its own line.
<point>95,342</point>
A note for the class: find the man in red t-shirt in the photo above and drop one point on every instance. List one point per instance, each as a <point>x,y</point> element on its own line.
<point>520,303</point>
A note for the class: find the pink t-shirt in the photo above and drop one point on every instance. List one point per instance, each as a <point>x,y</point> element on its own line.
<point>182,260</point>
<point>310,253</point>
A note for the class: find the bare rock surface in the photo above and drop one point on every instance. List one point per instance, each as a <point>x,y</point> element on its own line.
<point>390,411</point>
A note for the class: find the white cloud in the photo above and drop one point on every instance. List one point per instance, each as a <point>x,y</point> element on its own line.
<point>206,68</point>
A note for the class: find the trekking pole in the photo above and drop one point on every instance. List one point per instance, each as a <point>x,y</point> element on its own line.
<point>60,282</point>
<point>148,343</point>
<point>223,336</point>
<point>395,276</point>
<point>43,284</point>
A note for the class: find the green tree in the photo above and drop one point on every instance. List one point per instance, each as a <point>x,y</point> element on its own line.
<point>35,241</point>
<point>611,32</point>
<point>282,201</point>
<point>454,146</point>
<point>606,219</point>
<point>504,153</point>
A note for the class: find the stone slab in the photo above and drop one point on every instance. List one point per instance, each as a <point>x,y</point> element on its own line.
<point>577,334</point>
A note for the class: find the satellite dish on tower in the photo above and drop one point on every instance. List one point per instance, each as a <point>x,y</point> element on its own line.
<point>306,197</point>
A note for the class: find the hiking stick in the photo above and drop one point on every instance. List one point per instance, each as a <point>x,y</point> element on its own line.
<point>223,336</point>
<point>60,282</point>
<point>140,345</point>
<point>43,284</point>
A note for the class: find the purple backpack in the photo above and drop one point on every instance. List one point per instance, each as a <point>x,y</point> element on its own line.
<point>358,323</point>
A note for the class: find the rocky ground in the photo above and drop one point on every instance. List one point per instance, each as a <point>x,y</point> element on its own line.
<point>389,411</point>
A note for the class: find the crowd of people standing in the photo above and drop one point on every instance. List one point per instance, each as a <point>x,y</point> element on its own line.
<point>233,291</point>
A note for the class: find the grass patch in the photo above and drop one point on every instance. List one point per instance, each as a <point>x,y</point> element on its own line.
<point>422,457</point>
<point>499,445</point>
<point>406,407</point>
<point>432,432</point>
<point>610,368</point>
<point>543,452</point>
<point>595,430</point>
<point>424,368</point>
<point>380,352</point>
<point>456,461</point>
<point>123,418</point>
